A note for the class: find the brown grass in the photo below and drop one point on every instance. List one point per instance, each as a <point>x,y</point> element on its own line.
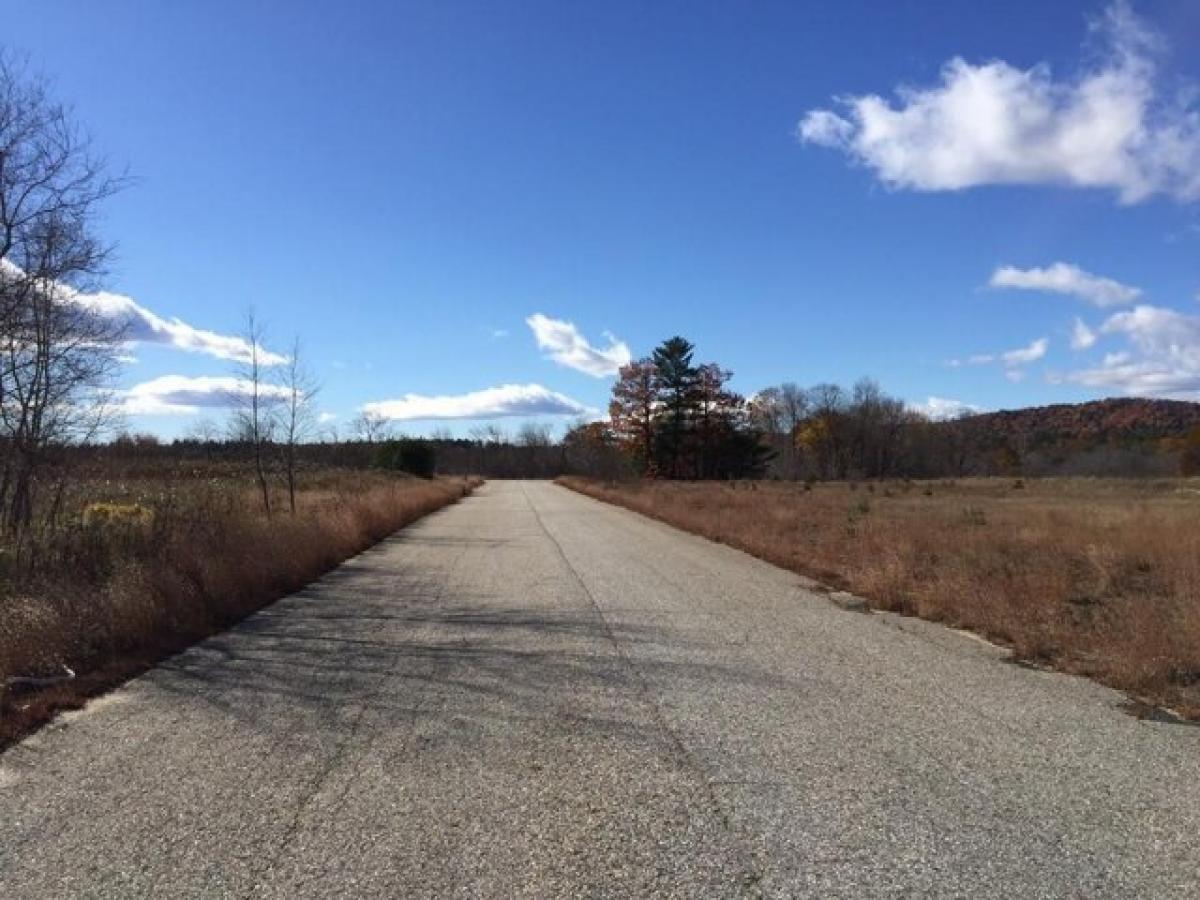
<point>1096,577</point>
<point>149,562</point>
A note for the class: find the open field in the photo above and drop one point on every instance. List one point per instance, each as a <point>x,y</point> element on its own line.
<point>135,560</point>
<point>1100,577</point>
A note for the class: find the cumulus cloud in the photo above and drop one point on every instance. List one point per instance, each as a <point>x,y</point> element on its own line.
<point>942,408</point>
<point>490,403</point>
<point>563,343</point>
<point>1163,359</point>
<point>180,395</point>
<point>1065,278</point>
<point>1111,126</point>
<point>1082,336</point>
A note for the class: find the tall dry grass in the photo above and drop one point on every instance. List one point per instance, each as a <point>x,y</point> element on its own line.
<point>1096,577</point>
<point>149,562</point>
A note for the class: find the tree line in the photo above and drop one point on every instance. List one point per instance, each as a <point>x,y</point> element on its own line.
<point>671,417</point>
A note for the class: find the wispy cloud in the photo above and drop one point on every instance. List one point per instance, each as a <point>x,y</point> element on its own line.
<point>141,326</point>
<point>490,403</point>
<point>145,327</point>
<point>1025,355</point>
<point>180,395</point>
<point>1082,337</point>
<point>1065,278</point>
<point>1020,356</point>
<point>1012,360</point>
<point>1111,126</point>
<point>563,343</point>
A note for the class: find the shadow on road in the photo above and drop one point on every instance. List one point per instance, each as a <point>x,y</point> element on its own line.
<point>366,637</point>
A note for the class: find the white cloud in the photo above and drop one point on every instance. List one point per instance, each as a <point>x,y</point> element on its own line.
<point>181,395</point>
<point>1163,359</point>
<point>145,327</point>
<point>1082,337</point>
<point>993,123</point>
<point>1025,355</point>
<point>1012,360</point>
<point>941,408</point>
<point>490,403</point>
<point>326,417</point>
<point>141,326</point>
<point>566,346</point>
<point>1064,278</point>
<point>1161,333</point>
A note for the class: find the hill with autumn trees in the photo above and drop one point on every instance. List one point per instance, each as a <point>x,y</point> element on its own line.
<point>1113,420</point>
<point>1115,436</point>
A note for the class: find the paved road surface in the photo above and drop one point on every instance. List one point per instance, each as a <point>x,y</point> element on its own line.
<point>532,694</point>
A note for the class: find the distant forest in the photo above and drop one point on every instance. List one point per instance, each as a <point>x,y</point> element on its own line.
<point>671,417</point>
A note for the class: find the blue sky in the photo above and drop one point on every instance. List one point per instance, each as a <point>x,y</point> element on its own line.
<point>406,185</point>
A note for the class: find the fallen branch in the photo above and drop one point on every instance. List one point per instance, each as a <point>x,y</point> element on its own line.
<point>36,682</point>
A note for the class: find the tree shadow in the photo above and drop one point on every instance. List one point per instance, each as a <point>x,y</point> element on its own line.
<point>388,650</point>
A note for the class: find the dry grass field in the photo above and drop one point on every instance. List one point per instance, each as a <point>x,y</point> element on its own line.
<point>136,561</point>
<point>1100,577</point>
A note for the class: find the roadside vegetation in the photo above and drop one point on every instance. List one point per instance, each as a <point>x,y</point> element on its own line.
<point>1100,577</point>
<point>137,558</point>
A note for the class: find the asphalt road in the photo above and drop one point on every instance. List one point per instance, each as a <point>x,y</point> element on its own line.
<point>532,694</point>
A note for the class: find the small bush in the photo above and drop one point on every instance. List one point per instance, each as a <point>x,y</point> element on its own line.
<point>973,515</point>
<point>117,515</point>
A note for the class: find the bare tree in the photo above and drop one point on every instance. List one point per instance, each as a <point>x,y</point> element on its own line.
<point>371,427</point>
<point>297,419</point>
<point>489,434</point>
<point>535,434</point>
<point>57,352</point>
<point>255,420</point>
<point>203,431</point>
<point>793,408</point>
